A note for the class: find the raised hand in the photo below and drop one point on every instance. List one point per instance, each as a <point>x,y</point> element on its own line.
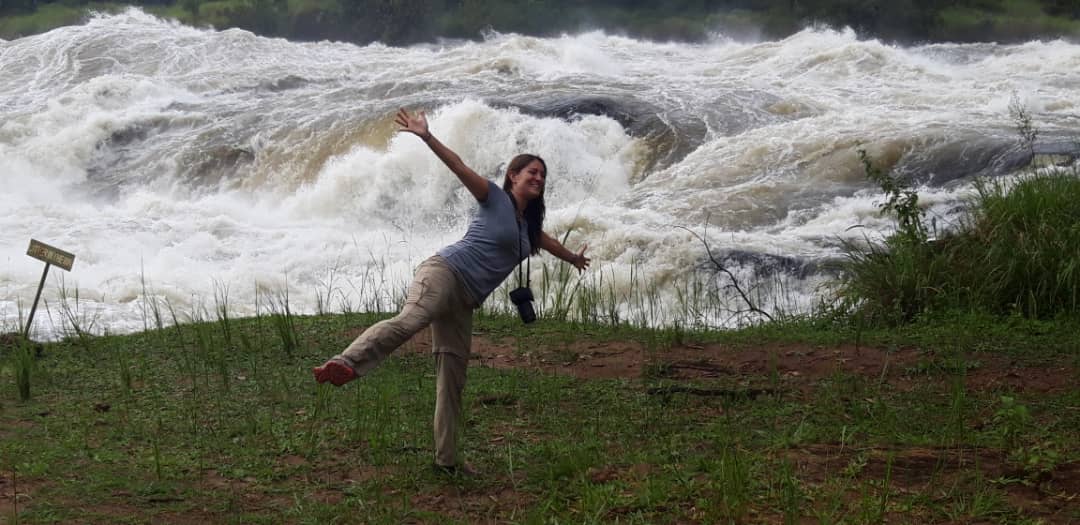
<point>415,124</point>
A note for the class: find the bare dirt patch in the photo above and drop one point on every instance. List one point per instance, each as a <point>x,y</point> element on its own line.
<point>497,503</point>
<point>609,473</point>
<point>804,365</point>
<point>933,472</point>
<point>17,493</point>
<point>799,365</point>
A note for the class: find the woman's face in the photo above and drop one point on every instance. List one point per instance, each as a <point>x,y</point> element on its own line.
<point>529,182</point>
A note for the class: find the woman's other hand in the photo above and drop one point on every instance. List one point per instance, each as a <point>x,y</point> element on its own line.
<point>556,248</point>
<point>415,124</point>
<point>580,261</point>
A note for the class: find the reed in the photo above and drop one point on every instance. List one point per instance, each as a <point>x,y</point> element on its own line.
<point>221,310</point>
<point>731,480</point>
<point>790,494</point>
<point>326,287</point>
<point>154,440</point>
<point>282,319</point>
<point>76,321</point>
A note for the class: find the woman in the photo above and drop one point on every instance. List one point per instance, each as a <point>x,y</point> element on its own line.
<point>447,287</point>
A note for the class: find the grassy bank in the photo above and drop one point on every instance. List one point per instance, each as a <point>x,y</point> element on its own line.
<point>220,422</point>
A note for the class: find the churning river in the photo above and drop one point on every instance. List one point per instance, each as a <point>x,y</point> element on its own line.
<point>200,166</point>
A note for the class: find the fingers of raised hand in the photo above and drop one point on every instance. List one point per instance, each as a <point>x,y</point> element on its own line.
<point>402,118</point>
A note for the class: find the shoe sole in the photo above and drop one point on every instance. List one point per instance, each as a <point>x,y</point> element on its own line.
<point>457,471</point>
<point>334,372</point>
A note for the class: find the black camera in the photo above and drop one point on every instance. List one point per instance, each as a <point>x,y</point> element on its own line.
<point>522,298</point>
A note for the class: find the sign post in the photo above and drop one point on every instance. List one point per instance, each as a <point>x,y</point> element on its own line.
<point>51,256</point>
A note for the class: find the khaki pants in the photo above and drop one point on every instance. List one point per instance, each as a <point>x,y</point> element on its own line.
<point>436,297</point>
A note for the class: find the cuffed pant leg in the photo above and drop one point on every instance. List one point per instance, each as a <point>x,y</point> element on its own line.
<point>450,383</point>
<point>451,341</point>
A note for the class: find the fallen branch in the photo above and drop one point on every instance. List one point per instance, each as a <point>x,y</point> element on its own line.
<point>735,282</point>
<point>748,393</point>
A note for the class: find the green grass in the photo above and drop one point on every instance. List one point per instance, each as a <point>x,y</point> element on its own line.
<point>1029,237</point>
<point>186,422</point>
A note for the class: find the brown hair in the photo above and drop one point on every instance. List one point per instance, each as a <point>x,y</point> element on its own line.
<point>534,210</point>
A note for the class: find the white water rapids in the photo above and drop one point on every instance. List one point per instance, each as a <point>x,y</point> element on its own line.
<point>182,163</point>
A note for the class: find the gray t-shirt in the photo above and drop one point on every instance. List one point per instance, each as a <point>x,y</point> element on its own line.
<point>491,246</point>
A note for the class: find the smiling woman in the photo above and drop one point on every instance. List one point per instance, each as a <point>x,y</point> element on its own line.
<point>447,287</point>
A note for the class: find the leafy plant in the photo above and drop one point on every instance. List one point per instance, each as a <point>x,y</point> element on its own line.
<point>1011,420</point>
<point>900,200</point>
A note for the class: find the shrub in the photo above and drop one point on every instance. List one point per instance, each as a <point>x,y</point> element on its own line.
<point>1026,244</point>
<point>1015,251</point>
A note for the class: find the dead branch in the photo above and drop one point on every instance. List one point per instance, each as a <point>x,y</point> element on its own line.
<point>734,282</point>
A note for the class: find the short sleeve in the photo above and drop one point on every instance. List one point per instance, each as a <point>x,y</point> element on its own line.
<point>492,188</point>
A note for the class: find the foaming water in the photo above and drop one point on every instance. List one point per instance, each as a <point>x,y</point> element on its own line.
<point>178,162</point>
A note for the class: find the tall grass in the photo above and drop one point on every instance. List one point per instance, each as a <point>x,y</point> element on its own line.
<point>1016,250</point>
<point>326,288</point>
<point>1031,235</point>
<point>221,310</point>
<point>76,321</point>
<point>619,296</point>
<point>283,319</point>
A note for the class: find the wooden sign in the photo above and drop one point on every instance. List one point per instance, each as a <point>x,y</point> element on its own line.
<point>50,254</point>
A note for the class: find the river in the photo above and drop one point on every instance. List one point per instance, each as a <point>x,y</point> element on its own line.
<point>193,167</point>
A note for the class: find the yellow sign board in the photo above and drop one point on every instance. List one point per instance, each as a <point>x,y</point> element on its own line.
<point>52,255</point>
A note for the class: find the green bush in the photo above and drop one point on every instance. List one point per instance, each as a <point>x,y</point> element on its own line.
<point>1031,238</point>
<point>1016,251</point>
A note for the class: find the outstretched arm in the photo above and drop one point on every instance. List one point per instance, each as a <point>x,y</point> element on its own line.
<point>417,125</point>
<point>558,250</point>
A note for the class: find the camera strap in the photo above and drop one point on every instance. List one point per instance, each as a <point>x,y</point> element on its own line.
<point>521,242</point>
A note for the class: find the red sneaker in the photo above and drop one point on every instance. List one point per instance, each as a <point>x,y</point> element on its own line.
<point>334,371</point>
